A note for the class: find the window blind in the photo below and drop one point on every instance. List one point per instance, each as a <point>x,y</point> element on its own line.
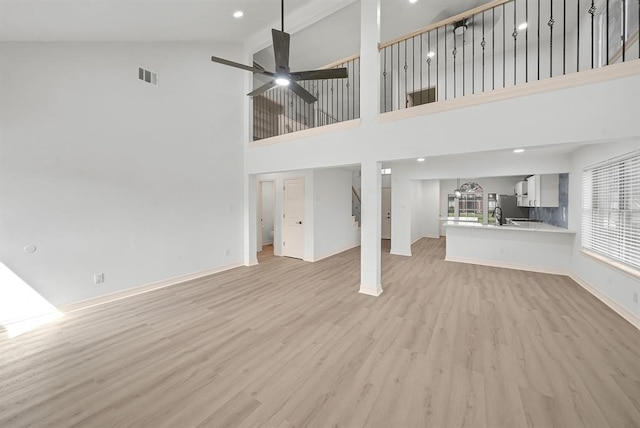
<point>611,209</point>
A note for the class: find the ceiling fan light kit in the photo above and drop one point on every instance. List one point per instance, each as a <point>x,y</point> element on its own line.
<point>283,76</point>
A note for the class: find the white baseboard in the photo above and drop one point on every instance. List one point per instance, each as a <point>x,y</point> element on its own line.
<point>134,291</point>
<point>615,306</point>
<point>508,265</point>
<point>374,291</point>
<point>349,247</point>
<point>400,253</point>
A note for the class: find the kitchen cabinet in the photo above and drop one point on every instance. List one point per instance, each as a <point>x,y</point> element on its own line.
<point>543,190</point>
<point>521,194</point>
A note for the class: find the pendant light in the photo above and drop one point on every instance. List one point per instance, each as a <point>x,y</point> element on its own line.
<point>457,193</point>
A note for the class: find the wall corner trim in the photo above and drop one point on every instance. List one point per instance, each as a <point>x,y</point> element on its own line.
<point>134,291</point>
<point>615,306</point>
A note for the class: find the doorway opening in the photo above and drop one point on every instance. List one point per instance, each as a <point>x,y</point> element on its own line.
<point>266,213</point>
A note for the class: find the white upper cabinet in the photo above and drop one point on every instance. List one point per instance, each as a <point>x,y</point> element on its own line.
<point>543,190</point>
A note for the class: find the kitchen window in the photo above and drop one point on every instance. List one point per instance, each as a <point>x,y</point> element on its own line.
<point>611,210</point>
<point>470,207</point>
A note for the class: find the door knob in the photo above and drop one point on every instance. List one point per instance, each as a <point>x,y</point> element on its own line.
<point>299,222</point>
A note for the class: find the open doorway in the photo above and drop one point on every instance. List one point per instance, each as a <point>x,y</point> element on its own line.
<point>266,213</point>
<point>385,232</point>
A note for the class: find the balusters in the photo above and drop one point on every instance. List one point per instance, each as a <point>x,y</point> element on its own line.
<point>427,69</point>
<point>592,12</point>
<point>551,23</point>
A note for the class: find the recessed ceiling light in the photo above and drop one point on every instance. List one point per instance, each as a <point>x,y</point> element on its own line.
<point>522,26</point>
<point>420,159</point>
<point>412,1</point>
<point>431,54</point>
<point>518,151</point>
<point>238,14</point>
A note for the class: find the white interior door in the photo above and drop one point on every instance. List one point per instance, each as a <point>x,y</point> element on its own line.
<point>293,211</point>
<point>386,213</point>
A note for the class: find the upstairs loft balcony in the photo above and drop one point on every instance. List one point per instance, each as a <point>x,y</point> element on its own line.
<point>503,44</point>
<point>280,111</point>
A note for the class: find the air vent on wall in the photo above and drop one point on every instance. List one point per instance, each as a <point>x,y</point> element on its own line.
<point>148,76</point>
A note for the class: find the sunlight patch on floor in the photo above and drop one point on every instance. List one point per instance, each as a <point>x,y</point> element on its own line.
<point>21,308</point>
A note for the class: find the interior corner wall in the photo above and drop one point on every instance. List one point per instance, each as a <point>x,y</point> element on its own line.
<point>334,229</point>
<point>615,285</point>
<point>103,172</point>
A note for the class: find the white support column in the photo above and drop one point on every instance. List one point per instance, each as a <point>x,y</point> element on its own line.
<point>370,263</point>
<point>250,233</point>
<point>371,193</point>
<point>369,60</point>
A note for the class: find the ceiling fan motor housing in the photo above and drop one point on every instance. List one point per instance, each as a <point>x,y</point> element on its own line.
<point>459,27</point>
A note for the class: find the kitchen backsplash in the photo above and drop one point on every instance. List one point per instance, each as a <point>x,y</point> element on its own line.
<point>556,216</point>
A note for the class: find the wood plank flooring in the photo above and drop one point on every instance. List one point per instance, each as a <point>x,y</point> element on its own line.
<point>289,343</point>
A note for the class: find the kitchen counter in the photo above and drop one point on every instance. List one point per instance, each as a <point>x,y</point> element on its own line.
<point>524,245</point>
<point>528,226</point>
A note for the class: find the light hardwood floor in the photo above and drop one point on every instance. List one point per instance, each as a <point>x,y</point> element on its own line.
<point>289,343</point>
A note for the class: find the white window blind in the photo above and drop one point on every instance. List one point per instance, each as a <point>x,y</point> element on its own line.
<point>611,209</point>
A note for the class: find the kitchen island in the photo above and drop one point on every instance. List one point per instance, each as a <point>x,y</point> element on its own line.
<point>531,246</point>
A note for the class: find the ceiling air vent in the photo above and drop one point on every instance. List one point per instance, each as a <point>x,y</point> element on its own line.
<point>148,76</point>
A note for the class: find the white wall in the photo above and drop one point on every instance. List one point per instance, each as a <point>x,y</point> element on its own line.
<point>334,228</point>
<point>105,173</point>
<point>610,282</point>
<point>424,209</point>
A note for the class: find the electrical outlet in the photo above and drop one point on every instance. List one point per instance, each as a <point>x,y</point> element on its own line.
<point>98,278</point>
<point>635,297</point>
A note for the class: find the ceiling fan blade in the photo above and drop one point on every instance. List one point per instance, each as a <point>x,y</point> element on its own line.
<point>302,93</point>
<point>241,66</point>
<point>262,89</point>
<point>330,73</point>
<point>281,50</point>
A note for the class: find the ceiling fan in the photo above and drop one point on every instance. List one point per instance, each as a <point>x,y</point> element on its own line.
<point>283,76</point>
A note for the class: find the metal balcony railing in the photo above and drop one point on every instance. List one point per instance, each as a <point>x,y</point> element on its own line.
<point>501,44</point>
<point>280,111</point>
<point>506,43</point>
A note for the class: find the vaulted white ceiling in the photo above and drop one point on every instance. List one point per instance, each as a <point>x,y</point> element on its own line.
<point>323,31</point>
<point>194,20</point>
